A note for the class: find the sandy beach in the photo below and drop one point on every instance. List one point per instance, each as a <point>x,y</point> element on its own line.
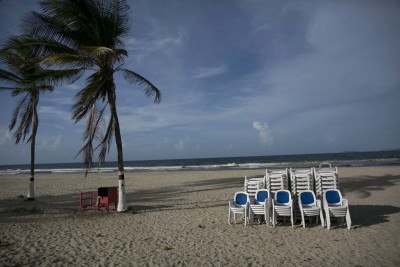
<point>180,219</point>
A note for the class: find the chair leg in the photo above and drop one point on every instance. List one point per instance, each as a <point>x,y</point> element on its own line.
<point>348,219</point>
<point>97,203</point>
<point>302,220</point>
<point>229,216</point>
<point>266,212</point>
<point>251,217</point>
<point>246,217</point>
<point>328,219</point>
<point>321,216</point>
<point>273,218</point>
<point>291,217</point>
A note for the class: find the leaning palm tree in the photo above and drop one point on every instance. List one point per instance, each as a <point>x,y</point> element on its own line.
<point>89,34</point>
<point>24,77</point>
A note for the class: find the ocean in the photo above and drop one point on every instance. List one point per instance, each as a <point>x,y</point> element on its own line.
<point>347,159</point>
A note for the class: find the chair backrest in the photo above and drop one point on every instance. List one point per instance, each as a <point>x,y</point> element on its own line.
<point>102,191</point>
<point>254,180</point>
<point>326,167</point>
<point>283,196</point>
<point>262,195</point>
<point>333,197</point>
<point>326,164</point>
<point>241,198</point>
<point>307,198</point>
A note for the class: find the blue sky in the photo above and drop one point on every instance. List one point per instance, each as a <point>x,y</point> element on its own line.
<point>238,78</point>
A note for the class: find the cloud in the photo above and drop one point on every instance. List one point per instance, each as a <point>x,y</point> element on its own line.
<point>184,143</point>
<point>153,44</point>
<point>180,145</point>
<point>55,113</point>
<point>51,143</point>
<point>5,136</point>
<point>265,135</point>
<point>329,138</point>
<point>208,72</point>
<point>144,47</point>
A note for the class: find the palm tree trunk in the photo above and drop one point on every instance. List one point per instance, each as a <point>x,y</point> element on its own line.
<point>35,124</point>
<point>118,140</point>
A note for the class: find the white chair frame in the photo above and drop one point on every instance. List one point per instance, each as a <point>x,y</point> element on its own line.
<point>235,208</point>
<point>282,209</point>
<point>260,208</point>
<point>311,209</point>
<point>338,209</point>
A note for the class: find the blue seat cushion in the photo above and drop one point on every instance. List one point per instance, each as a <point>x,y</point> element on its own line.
<point>262,196</point>
<point>332,197</point>
<point>307,198</point>
<point>241,199</point>
<point>282,197</point>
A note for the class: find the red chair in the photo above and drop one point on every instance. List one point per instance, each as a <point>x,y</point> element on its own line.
<point>105,196</point>
<point>88,200</point>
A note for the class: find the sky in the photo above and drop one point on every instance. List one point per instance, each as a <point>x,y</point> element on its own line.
<point>238,78</point>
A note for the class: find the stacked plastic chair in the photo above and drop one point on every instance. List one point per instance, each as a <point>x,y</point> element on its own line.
<point>336,206</point>
<point>276,180</point>
<point>239,205</point>
<point>282,206</point>
<point>326,177</point>
<point>310,206</point>
<point>251,185</point>
<point>260,206</point>
<point>301,180</point>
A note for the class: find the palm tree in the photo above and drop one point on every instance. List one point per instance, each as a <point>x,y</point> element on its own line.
<point>25,77</point>
<point>89,34</point>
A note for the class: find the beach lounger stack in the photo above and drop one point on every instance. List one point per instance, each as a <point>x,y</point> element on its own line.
<point>336,206</point>
<point>251,185</point>
<point>301,180</point>
<point>325,178</point>
<point>310,206</point>
<point>282,206</point>
<point>276,180</point>
<point>294,193</point>
<point>260,206</point>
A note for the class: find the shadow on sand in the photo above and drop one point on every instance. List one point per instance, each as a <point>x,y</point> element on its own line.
<point>367,215</point>
<point>367,185</point>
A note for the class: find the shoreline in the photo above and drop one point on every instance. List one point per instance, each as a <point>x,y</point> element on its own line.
<point>179,218</point>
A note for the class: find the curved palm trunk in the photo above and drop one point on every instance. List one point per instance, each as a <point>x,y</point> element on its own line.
<point>35,124</point>
<point>118,140</point>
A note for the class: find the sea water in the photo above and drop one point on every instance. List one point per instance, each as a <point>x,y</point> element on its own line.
<point>348,159</point>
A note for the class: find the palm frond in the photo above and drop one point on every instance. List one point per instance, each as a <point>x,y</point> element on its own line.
<point>25,110</point>
<point>87,151</point>
<point>93,131</point>
<point>56,77</point>
<point>106,142</point>
<point>86,97</point>
<point>149,89</point>
<point>16,111</point>
<point>9,77</point>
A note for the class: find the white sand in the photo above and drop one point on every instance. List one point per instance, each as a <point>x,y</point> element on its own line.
<point>180,219</point>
